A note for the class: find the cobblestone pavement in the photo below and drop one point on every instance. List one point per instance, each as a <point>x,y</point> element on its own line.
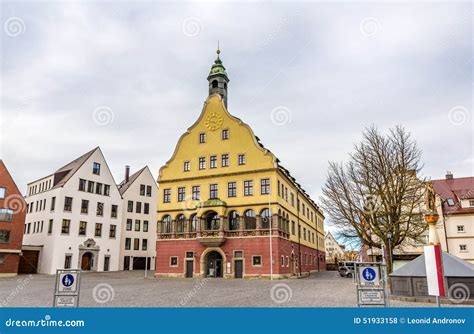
<point>131,289</point>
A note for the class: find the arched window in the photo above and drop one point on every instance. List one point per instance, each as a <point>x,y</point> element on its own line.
<point>250,220</point>
<point>180,223</point>
<point>193,223</point>
<point>266,217</point>
<point>212,221</point>
<point>233,220</point>
<point>166,225</point>
<point>214,84</point>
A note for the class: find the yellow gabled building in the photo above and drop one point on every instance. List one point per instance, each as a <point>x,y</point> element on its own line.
<point>227,208</point>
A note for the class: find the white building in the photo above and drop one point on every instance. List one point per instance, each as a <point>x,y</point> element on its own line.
<point>138,238</point>
<point>455,206</point>
<point>74,216</point>
<point>334,251</point>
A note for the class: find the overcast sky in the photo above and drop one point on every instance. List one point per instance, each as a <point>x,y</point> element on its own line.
<point>307,77</point>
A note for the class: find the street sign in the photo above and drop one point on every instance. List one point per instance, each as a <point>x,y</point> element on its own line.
<point>371,297</point>
<point>67,288</point>
<point>371,287</point>
<point>369,275</point>
<point>67,282</point>
<point>66,301</point>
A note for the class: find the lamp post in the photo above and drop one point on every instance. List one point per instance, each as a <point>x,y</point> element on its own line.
<point>389,238</point>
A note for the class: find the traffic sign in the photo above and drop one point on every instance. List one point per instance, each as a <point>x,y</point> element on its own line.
<point>67,282</point>
<point>67,288</point>
<point>371,297</point>
<point>369,276</point>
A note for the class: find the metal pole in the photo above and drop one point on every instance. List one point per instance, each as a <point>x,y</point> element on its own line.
<point>271,244</point>
<point>438,301</point>
<point>146,265</point>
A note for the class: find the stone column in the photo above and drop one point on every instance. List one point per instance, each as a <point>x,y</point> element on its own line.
<point>173,228</point>
<point>198,227</point>
<point>222,221</point>
<point>259,222</point>
<point>241,225</point>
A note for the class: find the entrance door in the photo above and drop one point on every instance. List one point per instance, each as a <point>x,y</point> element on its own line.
<point>239,269</point>
<point>86,263</point>
<point>28,262</point>
<point>214,264</point>
<point>126,263</point>
<point>189,268</point>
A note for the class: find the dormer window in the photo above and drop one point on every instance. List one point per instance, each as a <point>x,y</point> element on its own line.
<point>450,202</point>
<point>471,203</point>
<point>225,134</point>
<point>96,168</point>
<point>202,138</point>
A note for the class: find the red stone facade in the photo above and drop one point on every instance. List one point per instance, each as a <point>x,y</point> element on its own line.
<point>12,199</point>
<point>285,255</point>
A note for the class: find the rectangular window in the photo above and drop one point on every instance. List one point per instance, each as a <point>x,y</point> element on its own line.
<point>84,206</point>
<point>90,186</point>
<point>241,159</point>
<point>96,168</point>
<point>98,230</point>
<point>148,191</point>
<point>292,199</point>
<point>187,166</point>
<point>2,192</point>
<point>146,208</point>
<point>114,211</point>
<point>471,203</point>
<point>213,161</point>
<point>142,190</point>
<point>286,194</point>
<point>136,244</point>
<point>463,248</point>
<point>225,134</point>
<point>130,206</point>
<point>167,195</point>
<point>82,185</point>
<point>128,243</point>
<point>248,188</point>
<point>181,194</point>
<point>238,254</point>
<point>257,261</point>
<point>106,190</point>
<point>67,262</point>
<point>100,209</point>
<point>202,138</point>
<point>145,226</point>
<point>196,193</point>
<point>65,226</point>
<point>6,215</point>
<point>129,225</point>
<point>232,189</point>
<point>82,228</point>
<point>112,230</point>
<point>189,255</point>
<point>50,226</point>
<point>460,228</point>
<point>278,187</point>
<point>213,194</point>
<point>138,207</point>
<point>98,188</point>
<point>68,204</point>
<point>225,160</point>
<point>137,224</point>
<point>265,186</point>
<point>144,244</point>
<point>293,230</point>
<point>53,203</point>
<point>4,236</point>
<point>173,261</point>
<point>202,163</point>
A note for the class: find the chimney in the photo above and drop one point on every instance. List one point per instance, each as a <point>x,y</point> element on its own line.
<point>127,173</point>
<point>449,175</point>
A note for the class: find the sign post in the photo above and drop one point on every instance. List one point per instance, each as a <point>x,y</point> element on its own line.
<point>67,288</point>
<point>434,272</point>
<point>370,284</point>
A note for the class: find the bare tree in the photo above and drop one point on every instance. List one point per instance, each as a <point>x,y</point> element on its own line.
<point>378,193</point>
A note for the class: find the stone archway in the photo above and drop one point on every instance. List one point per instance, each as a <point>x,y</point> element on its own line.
<point>205,257</point>
<point>89,247</point>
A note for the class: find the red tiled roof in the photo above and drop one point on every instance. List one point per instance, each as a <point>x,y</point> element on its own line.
<point>458,189</point>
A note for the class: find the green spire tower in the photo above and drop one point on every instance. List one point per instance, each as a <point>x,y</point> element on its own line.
<point>218,78</point>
